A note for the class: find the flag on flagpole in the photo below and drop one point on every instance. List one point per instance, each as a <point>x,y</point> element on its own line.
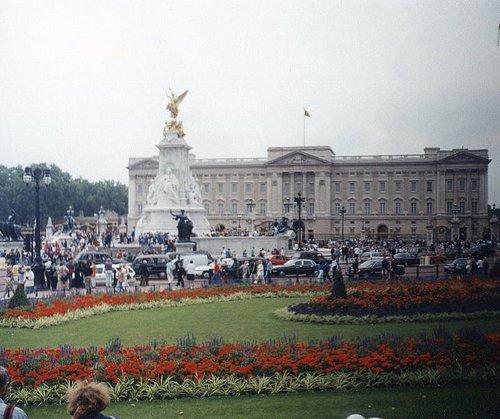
<point>306,113</point>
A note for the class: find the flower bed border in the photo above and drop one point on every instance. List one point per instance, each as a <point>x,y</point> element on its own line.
<point>134,390</point>
<point>81,313</point>
<point>287,315</point>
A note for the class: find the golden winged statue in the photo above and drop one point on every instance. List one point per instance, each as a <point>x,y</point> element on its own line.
<point>175,101</point>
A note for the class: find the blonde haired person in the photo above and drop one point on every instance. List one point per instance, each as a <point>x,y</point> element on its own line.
<point>88,400</point>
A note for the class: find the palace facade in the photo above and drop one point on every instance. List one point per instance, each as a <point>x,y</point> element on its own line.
<point>410,196</point>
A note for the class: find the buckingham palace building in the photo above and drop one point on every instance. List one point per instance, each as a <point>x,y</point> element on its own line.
<point>407,196</point>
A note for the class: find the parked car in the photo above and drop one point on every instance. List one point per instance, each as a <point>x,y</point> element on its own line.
<point>451,253</point>
<point>373,269</point>
<point>456,267</point>
<point>297,267</point>
<point>317,257</point>
<point>278,259</point>
<point>437,258</point>
<point>100,277</point>
<point>98,256</point>
<point>407,259</point>
<point>371,256</point>
<point>157,264</point>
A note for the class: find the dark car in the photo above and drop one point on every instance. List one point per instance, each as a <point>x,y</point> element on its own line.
<point>317,257</point>
<point>373,269</point>
<point>456,267</point>
<point>451,253</point>
<point>98,256</point>
<point>157,264</point>
<point>407,259</point>
<point>297,267</point>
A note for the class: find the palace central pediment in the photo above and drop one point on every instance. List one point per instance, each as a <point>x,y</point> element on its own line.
<point>298,159</point>
<point>147,163</point>
<point>463,157</point>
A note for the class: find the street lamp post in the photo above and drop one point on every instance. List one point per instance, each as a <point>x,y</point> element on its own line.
<point>37,175</point>
<point>299,200</point>
<point>342,213</point>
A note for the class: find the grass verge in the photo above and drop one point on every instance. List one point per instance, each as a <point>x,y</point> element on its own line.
<point>451,401</point>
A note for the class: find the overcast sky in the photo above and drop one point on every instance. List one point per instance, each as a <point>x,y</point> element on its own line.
<point>82,83</point>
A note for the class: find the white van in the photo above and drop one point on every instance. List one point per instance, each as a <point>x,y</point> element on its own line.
<point>199,259</point>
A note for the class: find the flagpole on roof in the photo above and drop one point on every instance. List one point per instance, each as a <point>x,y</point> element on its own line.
<point>498,39</point>
<point>304,128</point>
<point>305,114</point>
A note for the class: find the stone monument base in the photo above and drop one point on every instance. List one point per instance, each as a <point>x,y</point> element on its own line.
<point>184,247</point>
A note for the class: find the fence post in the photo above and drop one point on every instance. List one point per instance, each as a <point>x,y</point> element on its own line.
<point>418,271</point>
<point>437,271</point>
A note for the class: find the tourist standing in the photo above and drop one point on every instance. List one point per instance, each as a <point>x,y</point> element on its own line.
<point>259,273</point>
<point>29,280</point>
<point>190,273</point>
<point>108,272</point>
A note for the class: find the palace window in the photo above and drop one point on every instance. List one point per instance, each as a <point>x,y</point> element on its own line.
<point>263,187</point>
<point>449,207</point>
<point>352,208</point>
<point>310,208</point>
<point>220,187</point>
<point>461,207</point>
<point>461,185</point>
<point>429,186</point>
<point>368,208</point>
<point>248,187</point>
<point>337,207</point>
<point>234,208</point>
<point>413,186</point>
<point>381,208</point>
<point>352,187</point>
<point>220,208</point>
<point>413,208</point>
<point>474,207</point>
<point>368,187</point>
<point>397,208</point>
<point>262,208</point>
<point>234,187</point>
<point>382,186</point>
<point>429,208</point>
<point>449,185</point>
<point>398,186</point>
<point>474,185</point>
<point>337,187</point>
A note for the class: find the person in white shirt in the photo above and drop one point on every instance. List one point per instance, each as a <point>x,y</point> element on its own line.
<point>190,273</point>
<point>29,280</point>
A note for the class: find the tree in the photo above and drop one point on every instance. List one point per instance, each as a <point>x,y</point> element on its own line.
<point>85,197</point>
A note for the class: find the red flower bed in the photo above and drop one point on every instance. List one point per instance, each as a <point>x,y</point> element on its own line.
<point>61,306</point>
<point>385,299</point>
<point>114,363</point>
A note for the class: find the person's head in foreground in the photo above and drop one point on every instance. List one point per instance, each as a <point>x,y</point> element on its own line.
<point>87,400</point>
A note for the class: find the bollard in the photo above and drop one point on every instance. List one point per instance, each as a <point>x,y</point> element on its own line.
<point>437,271</point>
<point>36,292</point>
<point>418,271</point>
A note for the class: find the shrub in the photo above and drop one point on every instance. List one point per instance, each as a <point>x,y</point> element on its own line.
<point>338,289</point>
<point>19,299</point>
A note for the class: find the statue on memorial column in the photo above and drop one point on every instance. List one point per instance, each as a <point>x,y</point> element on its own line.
<point>173,107</point>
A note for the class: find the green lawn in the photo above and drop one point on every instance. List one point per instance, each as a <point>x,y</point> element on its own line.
<point>235,321</point>
<point>451,402</point>
<point>253,320</point>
